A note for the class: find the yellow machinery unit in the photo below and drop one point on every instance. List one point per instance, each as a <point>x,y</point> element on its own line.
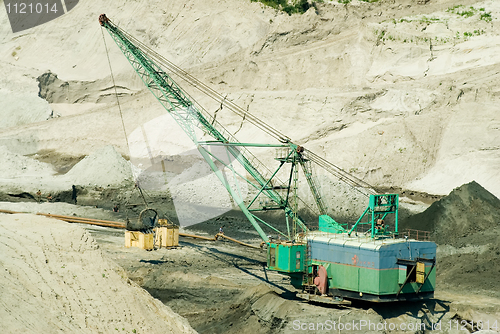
<point>167,235</point>
<point>143,240</point>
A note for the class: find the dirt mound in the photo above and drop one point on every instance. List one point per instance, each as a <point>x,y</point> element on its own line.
<point>55,278</point>
<point>89,171</point>
<point>17,166</point>
<point>259,309</point>
<point>469,215</point>
<point>473,271</point>
<point>466,226</point>
<point>23,174</point>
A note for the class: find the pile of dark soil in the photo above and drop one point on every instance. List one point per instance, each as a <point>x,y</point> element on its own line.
<point>470,273</point>
<point>466,226</point>
<point>469,215</point>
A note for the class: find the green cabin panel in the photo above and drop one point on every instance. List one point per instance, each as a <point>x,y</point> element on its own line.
<point>369,280</point>
<point>388,281</point>
<point>329,225</point>
<point>401,274</point>
<point>284,257</point>
<point>342,276</point>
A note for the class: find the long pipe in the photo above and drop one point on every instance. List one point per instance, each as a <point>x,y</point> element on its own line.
<point>73,219</point>
<point>8,211</point>
<point>99,222</point>
<point>218,235</point>
<point>114,224</point>
<point>196,236</point>
<point>234,240</point>
<point>79,218</point>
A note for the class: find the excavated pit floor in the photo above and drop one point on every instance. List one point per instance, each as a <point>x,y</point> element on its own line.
<point>221,287</point>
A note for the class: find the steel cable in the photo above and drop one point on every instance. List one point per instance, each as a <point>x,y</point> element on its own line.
<point>356,183</point>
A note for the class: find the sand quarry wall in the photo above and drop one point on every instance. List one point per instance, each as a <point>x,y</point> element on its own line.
<point>361,85</point>
<point>55,279</point>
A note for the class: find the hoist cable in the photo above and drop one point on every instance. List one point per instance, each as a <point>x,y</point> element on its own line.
<point>340,174</point>
<point>119,107</point>
<point>206,89</point>
<point>116,91</point>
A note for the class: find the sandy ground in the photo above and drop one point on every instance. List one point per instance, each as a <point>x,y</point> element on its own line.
<point>221,287</point>
<point>55,278</point>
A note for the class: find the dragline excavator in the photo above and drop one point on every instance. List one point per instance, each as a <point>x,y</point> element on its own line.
<point>327,261</point>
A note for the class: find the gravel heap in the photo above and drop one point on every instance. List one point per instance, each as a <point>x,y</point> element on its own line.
<point>103,168</point>
<point>469,215</point>
<point>466,226</point>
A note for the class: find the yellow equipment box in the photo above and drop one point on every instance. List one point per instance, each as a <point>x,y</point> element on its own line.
<point>167,236</point>
<point>420,272</point>
<point>139,239</point>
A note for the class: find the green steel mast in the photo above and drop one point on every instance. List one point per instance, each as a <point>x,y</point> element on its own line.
<point>190,117</point>
<point>185,112</point>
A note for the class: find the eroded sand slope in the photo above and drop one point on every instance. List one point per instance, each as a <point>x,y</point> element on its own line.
<point>55,278</point>
<point>401,94</point>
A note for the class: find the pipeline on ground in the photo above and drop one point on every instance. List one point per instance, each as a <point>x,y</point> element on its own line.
<point>120,225</point>
<point>216,237</point>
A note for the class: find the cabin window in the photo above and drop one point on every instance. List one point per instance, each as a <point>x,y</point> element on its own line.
<point>272,257</point>
<point>297,262</point>
<point>404,271</point>
<point>412,272</point>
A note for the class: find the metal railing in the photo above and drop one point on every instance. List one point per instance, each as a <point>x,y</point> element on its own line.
<point>416,234</point>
